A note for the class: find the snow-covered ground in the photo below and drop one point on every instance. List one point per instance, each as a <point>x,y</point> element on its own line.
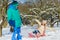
<point>50,35</point>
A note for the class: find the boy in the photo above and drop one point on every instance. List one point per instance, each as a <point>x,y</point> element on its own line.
<point>14,19</point>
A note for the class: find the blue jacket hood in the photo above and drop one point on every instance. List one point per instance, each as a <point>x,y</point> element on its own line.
<point>13,6</point>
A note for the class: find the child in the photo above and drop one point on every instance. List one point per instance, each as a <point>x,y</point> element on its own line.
<point>14,19</point>
<point>40,30</point>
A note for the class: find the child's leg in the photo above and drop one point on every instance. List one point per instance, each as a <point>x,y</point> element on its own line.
<point>14,36</point>
<point>19,37</point>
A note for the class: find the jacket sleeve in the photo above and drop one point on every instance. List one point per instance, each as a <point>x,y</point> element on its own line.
<point>9,15</point>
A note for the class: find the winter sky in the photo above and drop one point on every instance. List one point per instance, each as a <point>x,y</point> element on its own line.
<point>22,1</point>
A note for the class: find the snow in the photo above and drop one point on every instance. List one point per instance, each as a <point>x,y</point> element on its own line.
<point>50,35</point>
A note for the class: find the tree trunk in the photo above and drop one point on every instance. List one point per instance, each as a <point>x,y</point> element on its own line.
<point>1,24</point>
<point>0,30</point>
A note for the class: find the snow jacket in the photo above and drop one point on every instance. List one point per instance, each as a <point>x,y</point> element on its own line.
<point>14,14</point>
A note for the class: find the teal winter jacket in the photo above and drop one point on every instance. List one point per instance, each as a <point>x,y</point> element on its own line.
<point>14,14</point>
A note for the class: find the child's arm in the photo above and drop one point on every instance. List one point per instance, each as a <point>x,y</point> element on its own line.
<point>39,23</point>
<point>41,30</point>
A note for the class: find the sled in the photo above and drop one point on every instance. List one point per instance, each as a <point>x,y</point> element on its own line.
<point>31,35</point>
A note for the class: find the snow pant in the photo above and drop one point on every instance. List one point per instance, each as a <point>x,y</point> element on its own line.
<point>12,24</point>
<point>16,34</point>
<point>17,30</point>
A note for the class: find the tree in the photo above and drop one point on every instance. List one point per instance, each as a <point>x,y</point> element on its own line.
<point>3,14</point>
<point>47,7</point>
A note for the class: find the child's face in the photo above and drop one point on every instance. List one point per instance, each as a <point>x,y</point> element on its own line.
<point>44,22</point>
